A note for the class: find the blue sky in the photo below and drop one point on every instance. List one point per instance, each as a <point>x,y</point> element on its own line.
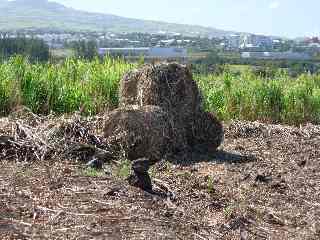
<point>290,18</point>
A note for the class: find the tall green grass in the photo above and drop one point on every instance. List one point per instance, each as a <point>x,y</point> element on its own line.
<point>281,99</point>
<point>74,85</point>
<point>92,87</point>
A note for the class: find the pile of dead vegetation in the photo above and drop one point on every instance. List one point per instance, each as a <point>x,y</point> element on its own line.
<point>25,136</point>
<point>245,129</point>
<point>171,87</point>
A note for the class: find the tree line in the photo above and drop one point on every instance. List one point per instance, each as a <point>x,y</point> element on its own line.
<point>84,49</point>
<point>34,49</point>
<point>215,62</point>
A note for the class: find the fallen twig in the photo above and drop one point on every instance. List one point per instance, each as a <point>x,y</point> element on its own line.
<point>17,222</point>
<point>61,211</point>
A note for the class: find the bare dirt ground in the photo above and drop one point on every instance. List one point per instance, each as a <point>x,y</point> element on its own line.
<point>263,184</point>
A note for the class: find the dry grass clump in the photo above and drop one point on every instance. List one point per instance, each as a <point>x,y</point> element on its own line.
<point>171,87</point>
<point>138,132</point>
<point>208,132</point>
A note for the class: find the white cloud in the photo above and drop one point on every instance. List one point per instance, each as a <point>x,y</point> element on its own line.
<point>274,5</point>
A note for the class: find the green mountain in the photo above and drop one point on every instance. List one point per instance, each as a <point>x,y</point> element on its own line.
<point>42,14</point>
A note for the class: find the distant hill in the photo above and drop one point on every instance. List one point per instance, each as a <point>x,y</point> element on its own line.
<point>42,14</point>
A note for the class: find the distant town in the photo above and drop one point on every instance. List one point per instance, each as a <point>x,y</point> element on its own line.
<point>244,44</point>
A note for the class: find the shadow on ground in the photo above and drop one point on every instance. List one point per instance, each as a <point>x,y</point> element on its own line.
<point>219,157</point>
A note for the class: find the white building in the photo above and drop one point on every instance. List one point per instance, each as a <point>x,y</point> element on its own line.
<point>276,55</point>
<point>151,53</point>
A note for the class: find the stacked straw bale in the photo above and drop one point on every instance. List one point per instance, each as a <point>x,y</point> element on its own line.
<point>171,87</point>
